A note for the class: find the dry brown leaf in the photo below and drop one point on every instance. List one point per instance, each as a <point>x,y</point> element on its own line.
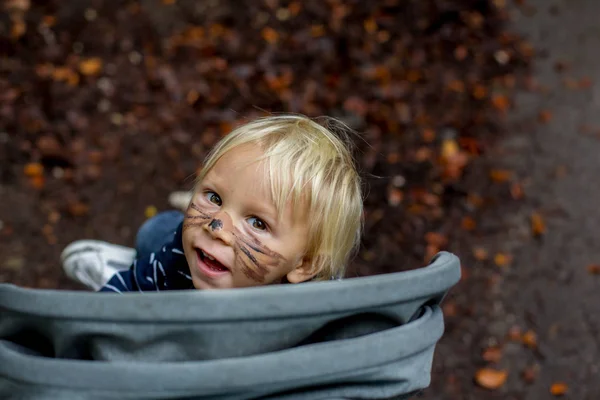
<point>49,20</point>
<point>18,29</point>
<point>500,102</point>
<point>78,209</point>
<point>37,182</point>
<point>500,175</point>
<point>436,239</point>
<point>480,254</point>
<point>530,373</point>
<point>468,223</point>
<point>571,83</point>
<point>428,135</point>
<point>317,30</point>
<point>393,158</point>
<point>593,269</point>
<point>585,83</point>
<point>544,116</point>
<point>530,339</point>
<point>516,191</point>
<point>295,7</point>
<point>370,25</point>
<point>450,309</point>
<point>515,334</point>
<point>491,378</point>
<point>90,66</point>
<point>53,217</point>
<point>492,354</point>
<point>480,92</point>
<point>461,52</point>
<point>456,86</point>
<point>561,66</point>
<point>192,96</point>
<point>395,197</point>
<point>559,389</point>
<point>538,226</point>
<point>65,74</point>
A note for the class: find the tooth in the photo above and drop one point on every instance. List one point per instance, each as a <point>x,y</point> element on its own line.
<point>207,256</point>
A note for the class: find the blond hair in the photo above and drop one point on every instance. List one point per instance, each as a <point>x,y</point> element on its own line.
<point>308,163</point>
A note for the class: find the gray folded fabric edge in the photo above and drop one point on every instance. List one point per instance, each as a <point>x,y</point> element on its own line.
<point>367,338</point>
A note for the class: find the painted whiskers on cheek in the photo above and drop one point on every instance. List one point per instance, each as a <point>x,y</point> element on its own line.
<point>196,220</point>
<point>255,257</point>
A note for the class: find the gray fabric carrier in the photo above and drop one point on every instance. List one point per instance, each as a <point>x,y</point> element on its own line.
<point>362,338</point>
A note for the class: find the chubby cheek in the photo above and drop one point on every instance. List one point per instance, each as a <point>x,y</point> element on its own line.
<point>257,262</point>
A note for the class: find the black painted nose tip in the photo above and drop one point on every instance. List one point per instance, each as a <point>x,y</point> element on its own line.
<point>215,224</point>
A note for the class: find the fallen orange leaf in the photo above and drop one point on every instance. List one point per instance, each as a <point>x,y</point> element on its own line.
<point>558,389</point>
<point>538,227</point>
<point>593,269</point>
<point>270,35</point>
<point>502,259</point>
<point>530,339</point>
<point>500,175</point>
<point>370,25</point>
<point>491,378</point>
<point>90,66</point>
<point>33,169</point>
<point>317,30</point>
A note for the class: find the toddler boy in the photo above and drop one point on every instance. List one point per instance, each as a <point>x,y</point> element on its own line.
<point>277,200</point>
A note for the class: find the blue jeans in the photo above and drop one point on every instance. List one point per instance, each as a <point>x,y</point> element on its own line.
<point>156,232</point>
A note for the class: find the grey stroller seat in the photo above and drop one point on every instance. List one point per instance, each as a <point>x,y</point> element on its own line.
<point>362,338</point>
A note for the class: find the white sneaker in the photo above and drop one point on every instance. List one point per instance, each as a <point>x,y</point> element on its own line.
<point>93,262</point>
<point>180,200</point>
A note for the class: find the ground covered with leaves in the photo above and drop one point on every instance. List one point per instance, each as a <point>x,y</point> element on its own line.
<point>107,106</point>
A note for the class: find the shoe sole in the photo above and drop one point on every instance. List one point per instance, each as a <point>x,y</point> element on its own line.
<point>122,253</point>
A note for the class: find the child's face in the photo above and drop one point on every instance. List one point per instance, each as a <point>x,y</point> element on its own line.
<point>232,219</point>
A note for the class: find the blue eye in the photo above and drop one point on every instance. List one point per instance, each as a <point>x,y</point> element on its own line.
<point>213,198</point>
<point>257,223</point>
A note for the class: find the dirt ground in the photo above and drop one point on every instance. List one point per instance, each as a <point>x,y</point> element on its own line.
<point>104,110</point>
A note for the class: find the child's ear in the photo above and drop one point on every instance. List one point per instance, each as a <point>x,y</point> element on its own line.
<point>304,271</point>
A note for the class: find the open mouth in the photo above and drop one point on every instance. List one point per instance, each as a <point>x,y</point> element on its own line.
<point>211,263</point>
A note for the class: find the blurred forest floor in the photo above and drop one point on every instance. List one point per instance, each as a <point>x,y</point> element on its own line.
<point>108,106</point>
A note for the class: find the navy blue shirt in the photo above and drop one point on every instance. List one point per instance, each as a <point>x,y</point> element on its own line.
<point>165,269</point>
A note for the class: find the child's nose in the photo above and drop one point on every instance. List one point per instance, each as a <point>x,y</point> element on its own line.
<point>220,227</point>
